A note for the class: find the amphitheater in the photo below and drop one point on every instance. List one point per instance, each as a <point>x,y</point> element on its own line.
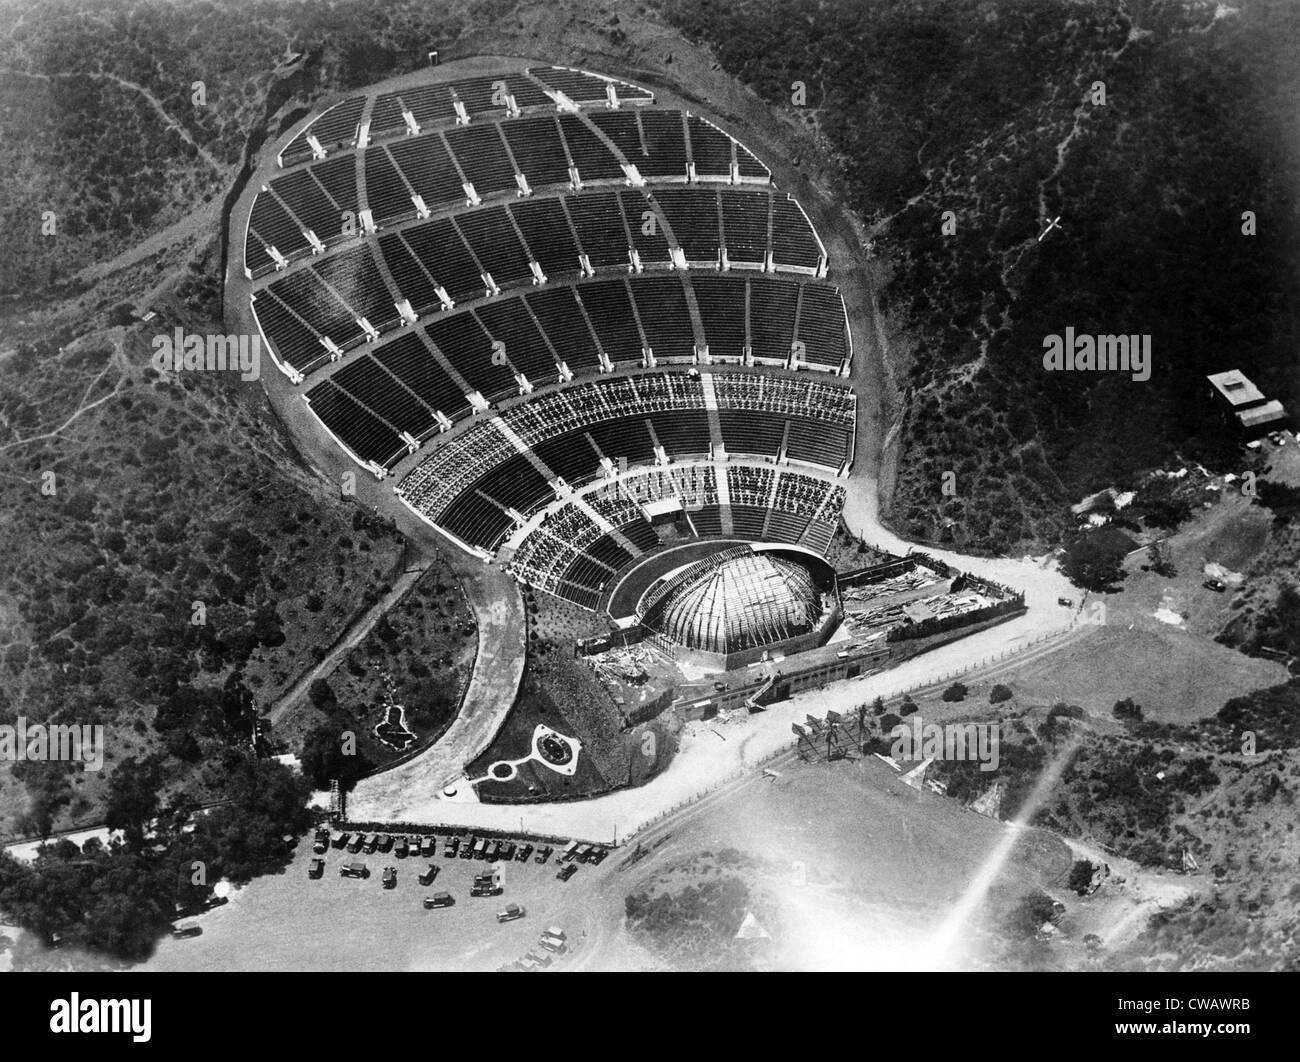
<point>569,324</point>
<point>572,332</point>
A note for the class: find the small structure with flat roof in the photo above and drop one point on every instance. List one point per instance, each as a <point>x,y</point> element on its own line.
<point>1244,406</point>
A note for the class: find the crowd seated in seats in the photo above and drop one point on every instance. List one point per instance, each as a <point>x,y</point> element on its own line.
<point>749,486</point>
<point>811,399</point>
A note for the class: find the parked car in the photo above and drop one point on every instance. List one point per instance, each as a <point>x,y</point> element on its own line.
<point>544,853</point>
<point>510,912</point>
<point>354,870</point>
<point>429,847</point>
<point>1066,601</point>
<point>399,849</point>
<point>340,840</point>
<point>486,890</point>
<point>568,872</point>
<point>427,877</point>
<point>450,849</point>
<point>508,852</point>
<point>438,899</point>
<point>390,877</point>
<point>372,843</point>
<point>539,960</point>
<point>385,842</point>
<point>525,850</point>
<point>569,850</point>
<point>1217,585</point>
<point>191,929</point>
<point>317,869</point>
<point>598,855</point>
<point>554,944</point>
<point>467,848</point>
<point>357,843</point>
<point>481,848</point>
<point>321,845</point>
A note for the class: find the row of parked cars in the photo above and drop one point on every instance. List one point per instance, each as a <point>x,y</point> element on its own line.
<point>456,847</point>
<point>400,845</point>
<point>552,942</point>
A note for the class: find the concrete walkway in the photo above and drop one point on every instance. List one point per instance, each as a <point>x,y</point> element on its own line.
<point>493,685</point>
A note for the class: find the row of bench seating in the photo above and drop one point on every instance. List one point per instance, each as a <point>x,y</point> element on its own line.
<point>493,157</point>
<point>408,382</point>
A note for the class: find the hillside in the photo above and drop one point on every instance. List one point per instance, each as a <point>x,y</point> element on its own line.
<point>992,112</point>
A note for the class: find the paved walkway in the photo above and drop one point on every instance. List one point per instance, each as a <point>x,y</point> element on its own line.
<point>396,794</point>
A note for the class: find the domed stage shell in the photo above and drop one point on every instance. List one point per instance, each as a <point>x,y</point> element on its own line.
<point>727,610</point>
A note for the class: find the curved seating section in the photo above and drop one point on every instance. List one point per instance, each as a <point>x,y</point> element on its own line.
<point>578,547</point>
<point>334,129</point>
<point>514,155</point>
<point>566,438</point>
<point>545,251</point>
<point>545,335</point>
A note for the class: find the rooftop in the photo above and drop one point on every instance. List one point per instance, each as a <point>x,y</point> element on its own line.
<point>1235,388</point>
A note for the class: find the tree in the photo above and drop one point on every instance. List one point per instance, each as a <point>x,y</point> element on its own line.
<point>133,792</point>
<point>323,758</point>
<point>999,693</point>
<point>1093,561</point>
<point>1127,711</point>
<point>321,695</point>
<point>1160,563</point>
<point>245,838</point>
<point>956,692</point>
<point>1081,875</point>
<point>1027,917</point>
<point>1280,498</point>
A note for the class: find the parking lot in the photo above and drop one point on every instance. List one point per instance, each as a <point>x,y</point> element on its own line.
<point>338,922</point>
